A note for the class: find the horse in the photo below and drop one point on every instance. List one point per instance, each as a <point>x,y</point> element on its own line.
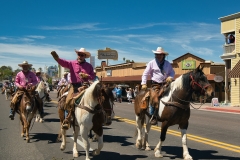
<point>94,110</point>
<point>27,110</point>
<point>8,91</point>
<point>173,108</point>
<point>41,92</point>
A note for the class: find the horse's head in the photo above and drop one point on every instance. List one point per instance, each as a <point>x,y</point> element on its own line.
<point>199,82</point>
<point>107,104</point>
<point>27,101</point>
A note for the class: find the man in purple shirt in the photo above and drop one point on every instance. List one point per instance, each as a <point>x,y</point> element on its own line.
<point>80,72</point>
<point>24,79</point>
<point>160,71</point>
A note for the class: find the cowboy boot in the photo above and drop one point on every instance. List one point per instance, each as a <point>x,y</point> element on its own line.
<point>153,120</point>
<point>12,113</point>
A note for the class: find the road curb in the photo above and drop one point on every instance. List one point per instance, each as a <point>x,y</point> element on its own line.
<point>223,109</point>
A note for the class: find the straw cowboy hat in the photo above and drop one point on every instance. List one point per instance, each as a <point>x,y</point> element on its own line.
<point>83,50</point>
<point>160,50</point>
<point>65,73</point>
<point>25,63</point>
<point>38,71</point>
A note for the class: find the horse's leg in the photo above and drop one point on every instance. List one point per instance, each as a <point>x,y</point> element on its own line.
<point>40,118</point>
<point>157,149</point>
<point>75,134</point>
<point>84,134</point>
<point>146,145</point>
<point>23,130</point>
<point>186,154</point>
<point>139,132</point>
<point>100,145</point>
<point>61,117</point>
<point>27,130</point>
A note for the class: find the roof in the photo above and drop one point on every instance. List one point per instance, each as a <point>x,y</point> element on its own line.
<point>190,55</point>
<point>139,78</point>
<point>235,72</point>
<point>230,17</point>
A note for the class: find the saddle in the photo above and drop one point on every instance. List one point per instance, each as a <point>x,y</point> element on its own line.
<point>156,92</point>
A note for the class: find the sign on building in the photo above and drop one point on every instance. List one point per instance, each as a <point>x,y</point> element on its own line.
<point>218,78</point>
<point>107,54</point>
<point>188,64</point>
<point>92,61</point>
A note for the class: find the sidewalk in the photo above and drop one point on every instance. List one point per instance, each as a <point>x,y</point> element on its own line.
<point>222,108</point>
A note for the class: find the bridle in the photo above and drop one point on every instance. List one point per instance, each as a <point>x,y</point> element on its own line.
<point>195,83</point>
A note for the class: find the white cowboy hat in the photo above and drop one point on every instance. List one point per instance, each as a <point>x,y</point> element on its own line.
<point>160,50</point>
<point>65,73</point>
<point>25,63</point>
<point>38,71</point>
<point>83,50</point>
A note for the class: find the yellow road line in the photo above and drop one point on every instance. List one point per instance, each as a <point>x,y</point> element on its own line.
<point>191,137</point>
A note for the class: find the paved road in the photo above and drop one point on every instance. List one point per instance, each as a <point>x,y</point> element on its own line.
<point>211,135</point>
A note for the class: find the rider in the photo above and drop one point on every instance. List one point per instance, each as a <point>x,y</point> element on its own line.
<point>23,80</point>
<point>39,78</point>
<point>160,71</point>
<point>64,80</point>
<point>5,86</point>
<point>80,72</point>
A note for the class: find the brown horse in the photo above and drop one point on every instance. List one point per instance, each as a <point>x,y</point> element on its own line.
<point>27,110</point>
<point>173,108</point>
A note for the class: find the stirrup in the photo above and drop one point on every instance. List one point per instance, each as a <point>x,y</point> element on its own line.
<point>65,124</point>
<point>153,120</point>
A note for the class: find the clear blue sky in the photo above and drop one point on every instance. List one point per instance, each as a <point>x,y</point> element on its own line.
<point>31,29</point>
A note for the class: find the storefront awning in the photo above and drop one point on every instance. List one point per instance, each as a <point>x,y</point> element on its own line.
<point>235,72</point>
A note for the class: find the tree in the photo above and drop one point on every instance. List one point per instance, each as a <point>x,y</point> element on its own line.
<point>6,72</point>
<point>124,59</point>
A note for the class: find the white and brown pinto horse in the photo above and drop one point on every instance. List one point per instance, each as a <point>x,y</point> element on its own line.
<point>94,110</point>
<point>41,88</point>
<point>174,108</point>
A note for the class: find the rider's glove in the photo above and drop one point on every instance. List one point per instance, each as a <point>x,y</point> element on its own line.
<point>169,79</point>
<point>55,55</point>
<point>144,86</point>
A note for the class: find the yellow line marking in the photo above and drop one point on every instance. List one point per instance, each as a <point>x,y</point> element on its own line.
<point>191,137</point>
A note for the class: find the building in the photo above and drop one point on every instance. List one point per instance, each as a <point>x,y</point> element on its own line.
<point>131,73</point>
<point>230,28</point>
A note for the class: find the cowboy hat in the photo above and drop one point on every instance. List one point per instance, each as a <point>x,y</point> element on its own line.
<point>160,50</point>
<point>38,71</point>
<point>25,63</point>
<point>65,73</point>
<point>83,50</point>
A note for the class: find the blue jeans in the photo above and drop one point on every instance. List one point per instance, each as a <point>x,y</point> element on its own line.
<point>151,110</point>
<point>11,111</point>
<point>65,113</point>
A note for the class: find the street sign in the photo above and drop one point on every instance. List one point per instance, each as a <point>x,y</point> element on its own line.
<point>218,78</point>
<point>107,54</point>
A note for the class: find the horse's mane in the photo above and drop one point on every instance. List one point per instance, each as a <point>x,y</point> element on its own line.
<point>92,93</point>
<point>40,86</point>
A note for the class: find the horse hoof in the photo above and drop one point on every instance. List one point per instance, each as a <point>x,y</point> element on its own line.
<point>138,144</point>
<point>22,135</point>
<point>188,157</point>
<point>28,140</point>
<point>148,149</point>
<point>95,152</point>
<point>75,155</point>
<point>158,154</point>
<point>41,121</point>
<point>62,147</point>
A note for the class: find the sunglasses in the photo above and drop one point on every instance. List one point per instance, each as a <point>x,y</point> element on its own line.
<point>81,55</point>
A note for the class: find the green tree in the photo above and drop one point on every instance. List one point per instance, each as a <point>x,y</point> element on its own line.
<point>5,72</point>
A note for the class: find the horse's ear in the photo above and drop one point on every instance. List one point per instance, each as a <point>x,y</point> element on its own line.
<point>197,69</point>
<point>202,68</point>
